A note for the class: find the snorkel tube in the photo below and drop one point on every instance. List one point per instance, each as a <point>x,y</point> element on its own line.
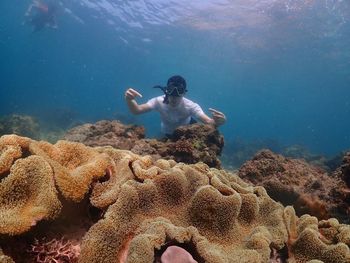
<point>176,86</point>
<point>165,90</point>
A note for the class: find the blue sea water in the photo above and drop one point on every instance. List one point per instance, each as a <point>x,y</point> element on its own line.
<point>278,69</point>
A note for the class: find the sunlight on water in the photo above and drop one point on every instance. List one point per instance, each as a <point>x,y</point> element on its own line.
<point>218,14</point>
<point>278,68</point>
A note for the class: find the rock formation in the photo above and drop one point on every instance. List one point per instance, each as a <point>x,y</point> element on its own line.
<point>189,144</point>
<point>23,125</point>
<point>150,205</point>
<point>294,182</point>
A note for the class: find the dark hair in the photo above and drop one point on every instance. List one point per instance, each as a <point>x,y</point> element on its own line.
<point>176,86</point>
<point>176,81</point>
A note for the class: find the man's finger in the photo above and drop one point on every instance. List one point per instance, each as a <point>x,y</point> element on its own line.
<point>135,93</point>
<point>216,111</point>
<point>218,115</point>
<point>129,95</point>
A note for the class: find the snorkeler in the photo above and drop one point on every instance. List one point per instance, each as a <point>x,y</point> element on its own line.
<point>40,15</point>
<point>175,110</point>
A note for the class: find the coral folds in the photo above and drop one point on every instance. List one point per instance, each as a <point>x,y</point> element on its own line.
<point>27,193</point>
<point>149,206</point>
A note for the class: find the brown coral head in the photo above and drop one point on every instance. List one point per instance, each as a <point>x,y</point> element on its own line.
<point>107,176</point>
<point>214,211</point>
<point>183,147</point>
<point>311,205</point>
<point>345,168</point>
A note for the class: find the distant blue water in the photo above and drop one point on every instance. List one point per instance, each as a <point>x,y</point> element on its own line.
<point>278,69</point>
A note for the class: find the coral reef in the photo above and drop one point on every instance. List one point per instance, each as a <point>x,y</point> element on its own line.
<point>238,150</point>
<point>28,185</point>
<point>343,172</point>
<point>104,133</point>
<point>27,195</point>
<point>5,259</point>
<point>212,213</point>
<point>23,125</point>
<point>335,162</point>
<point>189,144</point>
<point>151,205</point>
<point>206,144</point>
<point>301,152</point>
<point>294,182</point>
<point>57,117</point>
<point>27,191</point>
<point>75,166</point>
<point>33,127</point>
<point>59,251</point>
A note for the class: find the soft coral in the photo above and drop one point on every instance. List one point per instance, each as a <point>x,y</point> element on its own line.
<point>56,251</point>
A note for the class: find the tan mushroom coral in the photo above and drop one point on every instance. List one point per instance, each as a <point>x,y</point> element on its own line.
<point>27,195</point>
<point>179,205</point>
<point>211,213</point>
<point>11,149</point>
<point>13,139</point>
<point>4,258</point>
<point>324,240</point>
<point>105,192</point>
<point>75,166</point>
<point>27,186</point>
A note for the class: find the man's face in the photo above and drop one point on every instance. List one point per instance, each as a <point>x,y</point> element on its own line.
<point>174,101</point>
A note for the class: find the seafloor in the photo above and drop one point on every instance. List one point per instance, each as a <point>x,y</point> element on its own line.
<point>70,202</point>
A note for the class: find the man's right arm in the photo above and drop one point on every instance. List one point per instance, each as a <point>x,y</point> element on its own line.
<point>134,107</point>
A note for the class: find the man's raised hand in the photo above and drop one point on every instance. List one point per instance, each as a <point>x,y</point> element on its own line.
<point>131,94</point>
<point>218,117</point>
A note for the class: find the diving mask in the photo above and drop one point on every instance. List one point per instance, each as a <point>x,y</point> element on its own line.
<point>172,90</point>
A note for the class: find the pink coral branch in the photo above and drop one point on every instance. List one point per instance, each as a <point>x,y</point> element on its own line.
<point>56,251</point>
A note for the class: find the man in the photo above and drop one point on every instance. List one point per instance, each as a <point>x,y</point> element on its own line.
<point>175,110</point>
<point>40,15</point>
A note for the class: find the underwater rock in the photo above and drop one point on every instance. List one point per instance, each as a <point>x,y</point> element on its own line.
<point>189,144</point>
<point>238,150</point>
<point>343,192</point>
<point>301,152</point>
<point>330,164</point>
<point>104,133</point>
<point>22,125</point>
<point>32,127</point>
<point>335,162</point>
<point>206,144</point>
<point>294,182</point>
<point>343,171</point>
<point>150,206</point>
<point>58,118</point>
